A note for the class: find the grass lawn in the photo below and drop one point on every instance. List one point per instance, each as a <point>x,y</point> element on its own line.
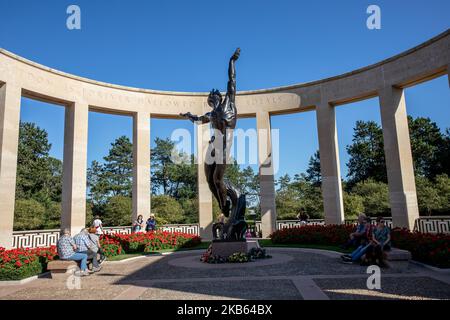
<point>203,245</point>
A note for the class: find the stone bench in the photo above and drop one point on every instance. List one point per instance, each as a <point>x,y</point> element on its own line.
<point>398,258</point>
<point>59,268</point>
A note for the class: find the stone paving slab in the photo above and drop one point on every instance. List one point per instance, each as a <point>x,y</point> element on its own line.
<point>260,289</point>
<point>408,288</point>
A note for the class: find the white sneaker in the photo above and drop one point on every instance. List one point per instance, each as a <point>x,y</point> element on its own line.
<point>97,269</point>
<point>81,273</point>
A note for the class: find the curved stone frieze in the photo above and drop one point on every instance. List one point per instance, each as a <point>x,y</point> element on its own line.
<point>428,60</point>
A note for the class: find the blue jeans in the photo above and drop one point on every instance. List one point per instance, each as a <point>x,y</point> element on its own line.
<point>91,256</point>
<point>82,257</point>
<point>359,252</point>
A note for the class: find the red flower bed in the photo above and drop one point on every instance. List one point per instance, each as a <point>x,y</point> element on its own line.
<point>313,234</point>
<point>428,248</point>
<point>147,242</point>
<point>111,245</point>
<point>21,263</point>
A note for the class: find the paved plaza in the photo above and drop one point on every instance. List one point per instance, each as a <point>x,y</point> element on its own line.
<point>292,274</point>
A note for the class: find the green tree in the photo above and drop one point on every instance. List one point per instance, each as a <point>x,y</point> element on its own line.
<point>118,211</point>
<point>118,167</point>
<point>98,185</point>
<point>313,173</point>
<point>246,181</point>
<point>442,184</point>
<point>161,159</point>
<point>112,178</point>
<point>52,216</point>
<point>167,208</point>
<point>353,205</point>
<point>366,154</point>
<point>178,180</point>
<point>29,214</point>
<point>426,143</point>
<point>375,197</point>
<point>427,196</point>
<point>298,195</point>
<point>38,174</point>
<point>190,210</point>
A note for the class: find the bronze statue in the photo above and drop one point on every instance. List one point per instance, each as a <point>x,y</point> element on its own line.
<point>223,121</point>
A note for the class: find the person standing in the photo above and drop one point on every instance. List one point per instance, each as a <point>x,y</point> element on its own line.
<point>98,226</point>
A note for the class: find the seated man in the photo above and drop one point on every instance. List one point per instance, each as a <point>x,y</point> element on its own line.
<point>85,245</point>
<point>67,251</point>
<point>364,244</point>
<point>358,235</point>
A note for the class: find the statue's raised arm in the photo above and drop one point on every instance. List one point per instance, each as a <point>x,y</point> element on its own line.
<point>231,89</point>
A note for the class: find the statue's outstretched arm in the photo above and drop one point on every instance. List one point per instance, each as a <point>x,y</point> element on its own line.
<point>203,119</point>
<point>231,89</point>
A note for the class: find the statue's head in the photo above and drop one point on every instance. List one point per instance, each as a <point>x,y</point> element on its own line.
<point>214,98</point>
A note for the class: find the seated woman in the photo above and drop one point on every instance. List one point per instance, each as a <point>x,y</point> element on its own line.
<point>138,224</point>
<point>381,242</point>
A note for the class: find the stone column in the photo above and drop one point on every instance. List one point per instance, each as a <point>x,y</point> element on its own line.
<point>141,165</point>
<point>399,162</point>
<point>266,179</point>
<point>329,164</point>
<point>448,74</point>
<point>74,167</point>
<point>10,97</point>
<point>204,194</point>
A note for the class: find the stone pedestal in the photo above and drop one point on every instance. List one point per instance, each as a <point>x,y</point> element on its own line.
<point>227,248</point>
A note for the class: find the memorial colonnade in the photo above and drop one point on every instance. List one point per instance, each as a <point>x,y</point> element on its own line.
<point>386,80</point>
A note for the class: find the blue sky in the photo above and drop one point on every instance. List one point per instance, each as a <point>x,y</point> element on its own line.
<point>185,45</point>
